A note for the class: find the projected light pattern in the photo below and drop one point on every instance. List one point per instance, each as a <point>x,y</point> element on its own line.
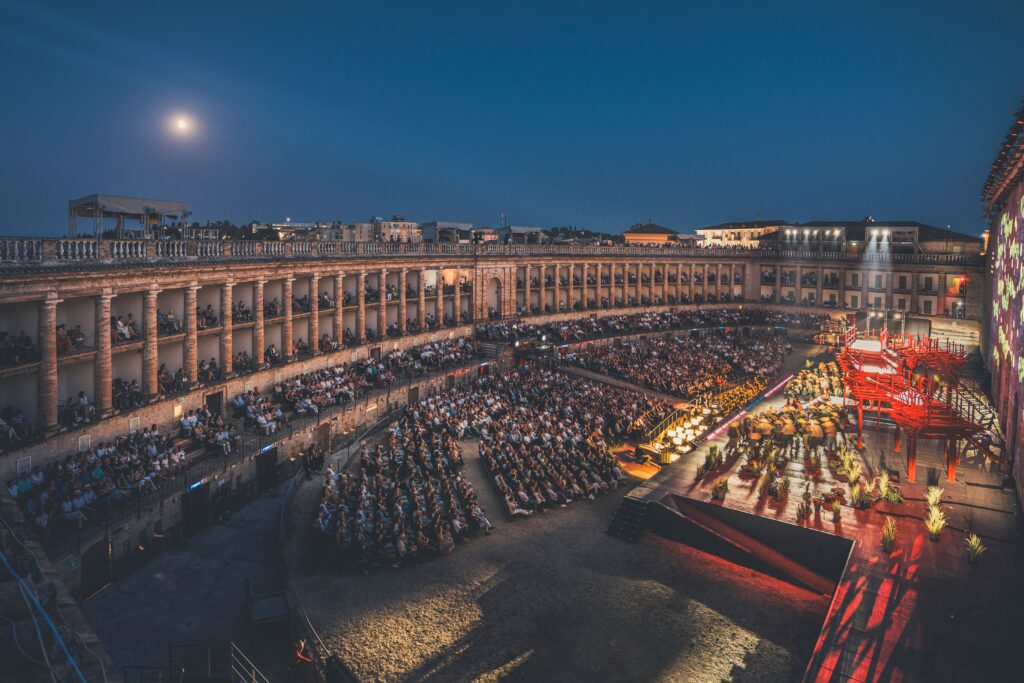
<point>1008,276</point>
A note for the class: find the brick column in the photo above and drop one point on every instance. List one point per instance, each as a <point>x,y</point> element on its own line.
<point>439,303</point>
<point>583,286</point>
<point>150,386</point>
<point>382,306</point>
<point>403,280</point>
<point>258,329</point>
<point>819,290</point>
<point>679,281</point>
<point>314,315</point>
<point>569,288</point>
<point>841,304</point>
<point>558,287</point>
<point>227,327</point>
<point>339,315</point>
<point>664,283</point>
<point>526,290</point>
<point>421,309</point>
<point>47,378</point>
<point>286,324</point>
<point>361,310</point>
<point>102,379</point>
<point>778,284</point>
<point>543,288</point>
<point>458,297</point>
<point>191,356</point>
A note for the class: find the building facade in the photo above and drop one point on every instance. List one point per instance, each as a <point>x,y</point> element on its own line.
<point>231,298</point>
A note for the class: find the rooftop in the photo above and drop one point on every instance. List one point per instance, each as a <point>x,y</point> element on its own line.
<point>651,229</point>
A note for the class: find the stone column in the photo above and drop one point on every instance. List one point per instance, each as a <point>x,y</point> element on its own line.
<point>150,386</point>
<point>339,314</point>
<point>403,276</point>
<point>227,326</point>
<point>361,309</point>
<point>286,324</point>
<point>458,298</point>
<point>382,306</point>
<point>191,356</point>
<point>778,284</point>
<point>664,283</point>
<point>421,309</point>
<point>258,329</point>
<point>47,378</point>
<point>102,369</point>
<point>314,315</point>
<point>841,304</point>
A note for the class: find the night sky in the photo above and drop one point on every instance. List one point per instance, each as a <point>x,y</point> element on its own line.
<point>593,114</point>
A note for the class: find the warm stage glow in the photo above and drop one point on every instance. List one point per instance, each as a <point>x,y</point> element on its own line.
<point>181,123</point>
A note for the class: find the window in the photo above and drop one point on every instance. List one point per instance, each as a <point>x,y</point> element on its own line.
<point>854,302</point>
<point>878,281</point>
<point>903,281</point>
<point>878,302</point>
<point>901,304</point>
<point>928,287</point>
<point>927,306</point>
<point>855,280</point>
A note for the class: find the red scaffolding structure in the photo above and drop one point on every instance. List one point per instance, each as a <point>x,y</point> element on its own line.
<point>915,381</point>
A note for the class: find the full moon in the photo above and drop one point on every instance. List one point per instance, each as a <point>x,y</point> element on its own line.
<point>181,123</point>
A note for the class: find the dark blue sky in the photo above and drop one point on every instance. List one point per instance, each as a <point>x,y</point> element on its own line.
<point>595,114</point>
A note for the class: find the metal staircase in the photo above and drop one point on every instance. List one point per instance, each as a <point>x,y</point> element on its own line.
<point>629,520</point>
<point>223,663</point>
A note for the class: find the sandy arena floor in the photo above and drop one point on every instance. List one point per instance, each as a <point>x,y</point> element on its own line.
<point>553,598</point>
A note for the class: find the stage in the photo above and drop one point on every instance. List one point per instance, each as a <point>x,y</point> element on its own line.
<point>919,612</point>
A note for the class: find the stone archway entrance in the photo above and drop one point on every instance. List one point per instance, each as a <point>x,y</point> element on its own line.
<point>494,299</point>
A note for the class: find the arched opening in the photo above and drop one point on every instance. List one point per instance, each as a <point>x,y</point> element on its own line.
<point>494,299</point>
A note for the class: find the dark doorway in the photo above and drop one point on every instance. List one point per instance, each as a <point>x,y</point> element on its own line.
<point>266,469</point>
<point>375,353</point>
<point>96,567</point>
<point>195,508</point>
<point>215,403</point>
<point>414,395</point>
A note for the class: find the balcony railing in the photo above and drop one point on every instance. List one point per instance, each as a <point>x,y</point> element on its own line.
<point>62,251</point>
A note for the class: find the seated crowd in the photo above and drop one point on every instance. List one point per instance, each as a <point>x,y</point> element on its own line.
<point>687,366</point>
<point>544,435</point>
<point>592,328</point>
<point>407,502</point>
<point>70,491</point>
<point>312,392</point>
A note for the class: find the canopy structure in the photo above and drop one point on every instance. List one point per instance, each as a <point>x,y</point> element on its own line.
<point>149,213</point>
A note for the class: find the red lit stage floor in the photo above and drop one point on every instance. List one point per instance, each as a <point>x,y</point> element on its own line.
<point>920,612</point>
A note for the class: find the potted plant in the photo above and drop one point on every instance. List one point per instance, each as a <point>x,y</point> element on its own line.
<point>975,547</point>
<point>933,496</point>
<point>803,511</point>
<point>934,522</point>
<point>720,488</point>
<point>817,504</point>
<point>889,534</point>
<point>837,511</point>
